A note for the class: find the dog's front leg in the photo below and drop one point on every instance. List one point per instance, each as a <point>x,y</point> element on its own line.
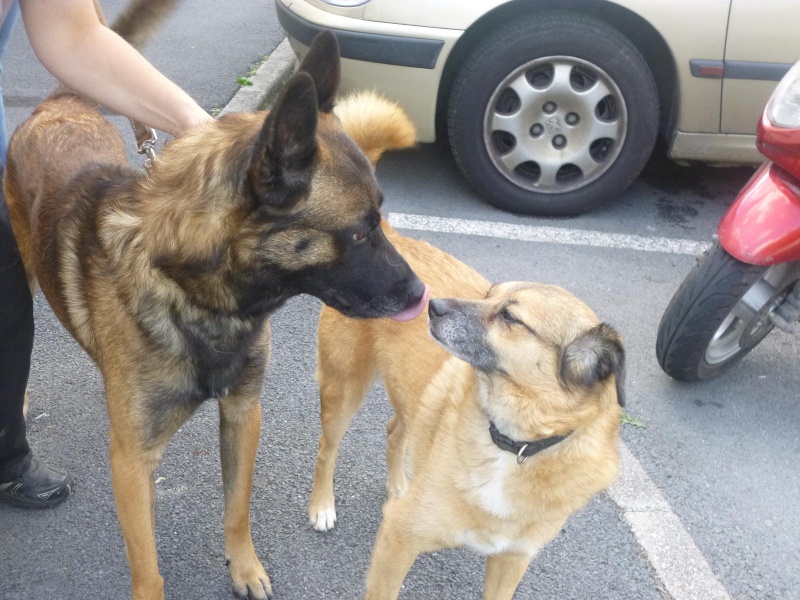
<point>503,574</point>
<point>134,494</point>
<point>240,427</point>
<point>396,442</point>
<point>396,549</point>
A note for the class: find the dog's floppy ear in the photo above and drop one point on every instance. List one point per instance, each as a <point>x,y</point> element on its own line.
<point>280,165</point>
<point>322,63</point>
<point>594,356</point>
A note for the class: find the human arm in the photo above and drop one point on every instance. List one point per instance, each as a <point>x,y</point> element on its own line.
<point>71,42</point>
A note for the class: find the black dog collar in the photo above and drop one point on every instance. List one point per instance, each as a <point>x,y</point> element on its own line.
<point>523,450</point>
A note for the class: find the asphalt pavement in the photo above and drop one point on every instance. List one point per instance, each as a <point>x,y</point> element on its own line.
<point>723,453</point>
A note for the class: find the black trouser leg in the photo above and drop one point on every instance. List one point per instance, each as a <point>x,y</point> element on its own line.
<point>16,344</point>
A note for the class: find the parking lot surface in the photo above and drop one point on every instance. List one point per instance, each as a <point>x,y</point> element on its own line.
<point>722,453</point>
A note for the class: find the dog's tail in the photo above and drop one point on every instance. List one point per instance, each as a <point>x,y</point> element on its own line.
<point>375,123</point>
<point>141,19</point>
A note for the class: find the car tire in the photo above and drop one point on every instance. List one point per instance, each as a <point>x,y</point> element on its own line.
<point>585,57</point>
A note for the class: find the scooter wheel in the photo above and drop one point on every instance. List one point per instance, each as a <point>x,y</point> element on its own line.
<point>719,314</point>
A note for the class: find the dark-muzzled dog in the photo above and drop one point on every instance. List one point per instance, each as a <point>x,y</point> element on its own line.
<point>167,277</point>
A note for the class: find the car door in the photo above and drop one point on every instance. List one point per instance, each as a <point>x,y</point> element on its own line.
<point>763,43</point>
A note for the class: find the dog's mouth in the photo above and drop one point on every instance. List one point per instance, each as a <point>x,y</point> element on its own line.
<point>452,331</point>
<point>412,312</point>
<point>344,306</point>
<point>372,310</point>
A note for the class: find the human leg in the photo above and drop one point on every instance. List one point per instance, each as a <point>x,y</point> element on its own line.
<point>6,29</point>
<point>16,343</point>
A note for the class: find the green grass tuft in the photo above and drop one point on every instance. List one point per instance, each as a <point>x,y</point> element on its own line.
<point>631,420</point>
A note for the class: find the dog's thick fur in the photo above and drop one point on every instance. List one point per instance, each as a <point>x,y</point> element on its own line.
<point>166,278</point>
<point>531,358</point>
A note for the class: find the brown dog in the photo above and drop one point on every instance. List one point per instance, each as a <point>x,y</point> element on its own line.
<point>167,277</point>
<point>504,428</point>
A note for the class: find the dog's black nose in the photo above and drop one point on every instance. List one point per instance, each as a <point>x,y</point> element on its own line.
<point>438,307</point>
<point>416,290</point>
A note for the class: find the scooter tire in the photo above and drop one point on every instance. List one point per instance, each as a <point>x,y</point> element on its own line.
<point>697,310</point>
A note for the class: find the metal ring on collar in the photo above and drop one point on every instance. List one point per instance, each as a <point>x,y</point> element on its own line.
<point>520,457</point>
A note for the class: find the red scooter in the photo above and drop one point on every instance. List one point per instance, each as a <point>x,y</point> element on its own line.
<point>746,283</point>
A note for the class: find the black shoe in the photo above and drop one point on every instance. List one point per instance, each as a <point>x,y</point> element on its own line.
<point>39,487</point>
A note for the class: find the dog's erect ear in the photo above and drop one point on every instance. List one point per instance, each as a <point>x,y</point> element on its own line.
<point>594,356</point>
<point>322,63</point>
<point>280,165</point>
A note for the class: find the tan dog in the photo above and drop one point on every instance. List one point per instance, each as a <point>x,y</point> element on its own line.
<point>167,277</point>
<point>501,431</point>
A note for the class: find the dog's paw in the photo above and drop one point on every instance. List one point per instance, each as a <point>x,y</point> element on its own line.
<point>250,580</point>
<point>323,519</point>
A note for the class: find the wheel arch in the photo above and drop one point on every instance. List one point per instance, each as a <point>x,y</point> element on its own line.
<point>638,30</point>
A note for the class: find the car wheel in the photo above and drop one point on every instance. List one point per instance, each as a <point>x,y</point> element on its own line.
<point>553,114</point>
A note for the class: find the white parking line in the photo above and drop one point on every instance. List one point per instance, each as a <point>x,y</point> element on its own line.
<point>677,561</point>
<point>671,551</point>
<point>551,235</point>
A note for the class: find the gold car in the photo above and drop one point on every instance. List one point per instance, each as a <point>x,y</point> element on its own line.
<point>552,107</point>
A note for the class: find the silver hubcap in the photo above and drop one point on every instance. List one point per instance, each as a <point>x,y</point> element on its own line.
<point>749,321</point>
<point>555,124</point>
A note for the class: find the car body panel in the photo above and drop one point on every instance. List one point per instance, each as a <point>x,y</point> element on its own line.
<point>354,12</point>
<point>702,37</point>
<point>742,103</point>
<point>773,23</point>
<point>744,99</point>
<point>692,30</point>
<point>727,149</point>
<point>414,88</point>
<point>451,14</point>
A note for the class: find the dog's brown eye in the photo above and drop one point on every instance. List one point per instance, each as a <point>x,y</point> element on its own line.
<point>359,237</point>
<point>509,318</point>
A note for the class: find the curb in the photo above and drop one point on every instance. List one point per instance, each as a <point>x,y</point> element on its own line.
<point>269,78</point>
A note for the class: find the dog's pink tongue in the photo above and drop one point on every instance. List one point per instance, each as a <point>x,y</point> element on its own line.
<point>414,311</point>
